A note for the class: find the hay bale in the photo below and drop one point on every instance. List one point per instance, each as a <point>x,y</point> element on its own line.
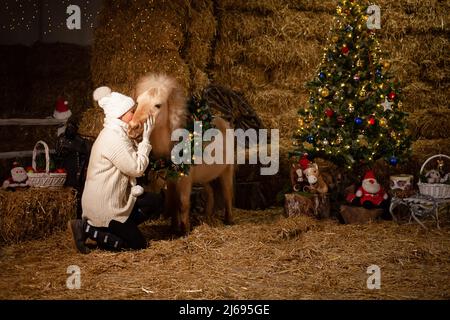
<point>284,23</point>
<point>201,31</point>
<point>270,6</point>
<point>199,81</point>
<point>91,122</point>
<point>422,149</point>
<point>241,77</point>
<point>228,52</point>
<point>421,95</point>
<point>419,57</point>
<point>292,77</point>
<point>198,50</point>
<point>241,25</point>
<point>273,101</point>
<point>399,18</point>
<point>430,124</point>
<point>271,51</point>
<point>34,212</point>
<point>293,24</point>
<point>125,50</point>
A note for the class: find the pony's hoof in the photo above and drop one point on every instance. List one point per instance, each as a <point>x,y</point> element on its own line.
<point>229,222</point>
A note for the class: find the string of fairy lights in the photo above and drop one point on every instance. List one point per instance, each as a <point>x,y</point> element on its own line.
<point>24,15</point>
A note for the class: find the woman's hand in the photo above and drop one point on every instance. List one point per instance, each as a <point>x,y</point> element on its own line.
<point>148,127</point>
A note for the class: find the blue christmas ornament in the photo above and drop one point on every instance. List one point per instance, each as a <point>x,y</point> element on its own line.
<point>393,160</point>
<point>312,100</point>
<point>310,139</point>
<point>348,28</point>
<point>358,121</point>
<point>378,73</point>
<point>322,76</point>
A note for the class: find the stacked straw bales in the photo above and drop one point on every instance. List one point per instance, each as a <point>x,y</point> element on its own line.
<point>268,49</point>
<point>35,212</point>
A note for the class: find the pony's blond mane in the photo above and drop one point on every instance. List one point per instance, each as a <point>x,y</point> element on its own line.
<point>176,99</point>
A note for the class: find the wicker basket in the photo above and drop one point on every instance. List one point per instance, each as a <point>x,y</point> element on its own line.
<point>435,190</point>
<point>45,179</point>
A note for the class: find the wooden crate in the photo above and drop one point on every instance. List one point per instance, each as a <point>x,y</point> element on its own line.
<point>314,205</point>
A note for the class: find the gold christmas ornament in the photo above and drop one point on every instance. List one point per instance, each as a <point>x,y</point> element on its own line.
<point>351,108</point>
<point>386,64</point>
<point>383,122</point>
<point>324,92</point>
<point>362,93</point>
<point>359,63</point>
<point>325,142</point>
<point>362,141</point>
<point>308,146</point>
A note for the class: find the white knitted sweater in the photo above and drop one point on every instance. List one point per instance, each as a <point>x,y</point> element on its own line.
<point>113,167</point>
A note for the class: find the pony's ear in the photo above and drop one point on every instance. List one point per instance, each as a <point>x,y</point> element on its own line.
<point>316,166</point>
<point>176,103</point>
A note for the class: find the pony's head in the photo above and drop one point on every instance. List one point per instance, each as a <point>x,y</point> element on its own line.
<point>161,97</point>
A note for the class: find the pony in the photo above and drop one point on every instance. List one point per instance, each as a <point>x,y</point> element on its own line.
<point>161,96</point>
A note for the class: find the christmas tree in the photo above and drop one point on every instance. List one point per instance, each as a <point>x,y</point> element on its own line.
<point>354,114</point>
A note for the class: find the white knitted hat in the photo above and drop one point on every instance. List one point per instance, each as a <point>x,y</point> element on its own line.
<point>114,104</point>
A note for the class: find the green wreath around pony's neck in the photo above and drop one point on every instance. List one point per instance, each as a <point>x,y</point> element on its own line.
<point>199,111</point>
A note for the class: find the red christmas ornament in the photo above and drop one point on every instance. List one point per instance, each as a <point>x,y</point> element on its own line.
<point>371,121</point>
<point>329,112</point>
<point>392,96</point>
<point>345,50</point>
<point>340,119</point>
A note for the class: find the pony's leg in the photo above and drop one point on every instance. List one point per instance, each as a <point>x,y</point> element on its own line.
<point>209,202</point>
<point>184,188</point>
<point>226,181</point>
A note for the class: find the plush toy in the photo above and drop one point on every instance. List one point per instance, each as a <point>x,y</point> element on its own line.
<point>316,182</point>
<point>370,194</point>
<point>433,176</point>
<point>18,177</point>
<point>297,172</point>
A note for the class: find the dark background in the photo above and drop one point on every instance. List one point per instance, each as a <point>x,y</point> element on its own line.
<point>40,60</point>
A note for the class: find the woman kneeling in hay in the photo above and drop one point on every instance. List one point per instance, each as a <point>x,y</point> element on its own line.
<point>113,205</point>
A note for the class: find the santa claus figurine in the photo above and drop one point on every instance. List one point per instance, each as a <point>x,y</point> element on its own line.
<point>18,177</point>
<point>370,194</point>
